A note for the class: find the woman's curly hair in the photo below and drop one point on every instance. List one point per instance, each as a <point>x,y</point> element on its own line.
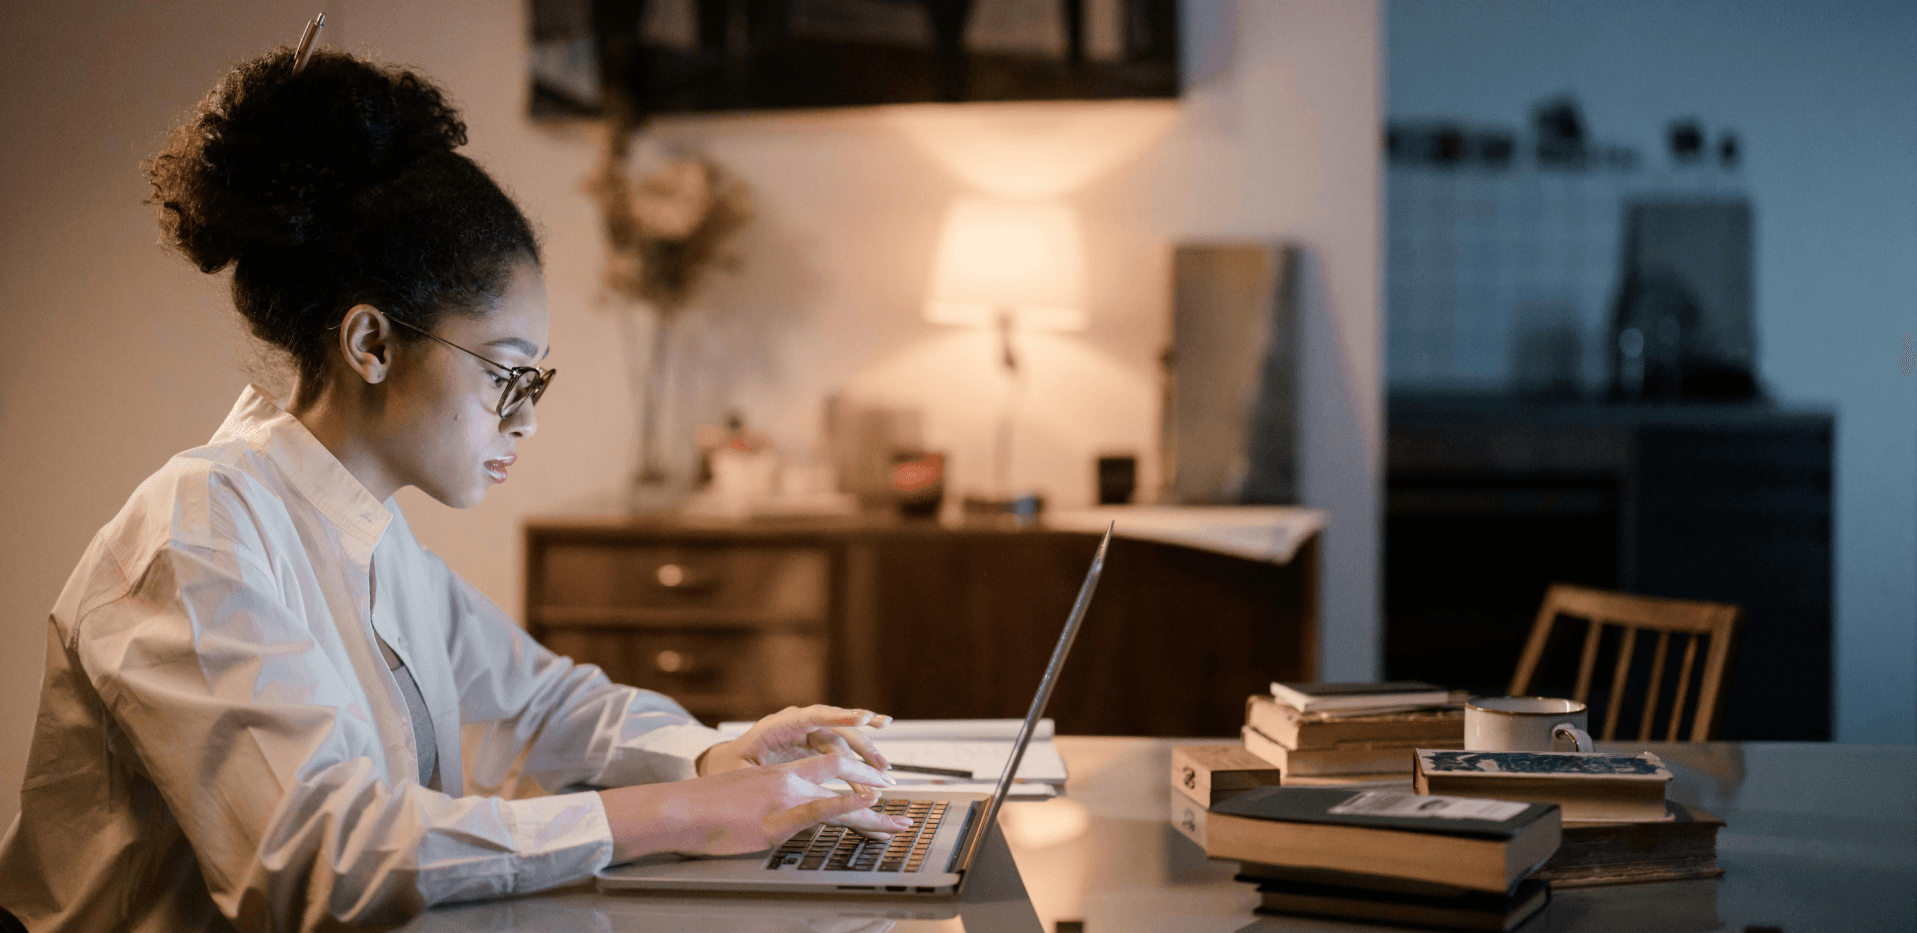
<point>330,188</point>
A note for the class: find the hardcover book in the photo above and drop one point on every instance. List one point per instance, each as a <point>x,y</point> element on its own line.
<point>1426,727</point>
<point>1594,786</point>
<point>1472,910</point>
<point>1381,758</point>
<point>1312,697</point>
<point>1262,872</point>
<point>1682,847</point>
<point>1480,845</point>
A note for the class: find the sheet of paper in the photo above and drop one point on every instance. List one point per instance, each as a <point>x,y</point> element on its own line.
<point>1021,790</point>
<point>985,760</point>
<point>979,747</point>
<point>1387,803</point>
<point>1004,730</point>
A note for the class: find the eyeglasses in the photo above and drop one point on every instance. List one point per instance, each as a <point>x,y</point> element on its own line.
<point>523,383</point>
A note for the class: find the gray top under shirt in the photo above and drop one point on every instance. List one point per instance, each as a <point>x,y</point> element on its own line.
<point>423,735</point>
<point>424,738</point>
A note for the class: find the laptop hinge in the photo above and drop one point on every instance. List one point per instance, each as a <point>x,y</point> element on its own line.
<point>965,829</point>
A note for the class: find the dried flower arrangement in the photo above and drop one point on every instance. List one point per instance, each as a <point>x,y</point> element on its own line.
<point>667,231</point>
<point>665,234</point>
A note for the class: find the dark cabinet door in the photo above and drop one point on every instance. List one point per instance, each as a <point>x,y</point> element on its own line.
<point>959,625</point>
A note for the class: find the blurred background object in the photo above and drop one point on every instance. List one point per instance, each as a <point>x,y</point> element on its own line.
<point>1011,268</point>
<point>670,219</point>
<point>1117,479</point>
<point>866,441</point>
<point>1231,393</point>
<point>703,55</point>
<point>1686,291</point>
<point>919,478</point>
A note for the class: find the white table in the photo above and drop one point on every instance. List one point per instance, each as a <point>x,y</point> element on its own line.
<point>1816,837</point>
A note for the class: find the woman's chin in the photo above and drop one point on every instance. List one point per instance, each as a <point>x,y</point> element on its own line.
<point>459,498</point>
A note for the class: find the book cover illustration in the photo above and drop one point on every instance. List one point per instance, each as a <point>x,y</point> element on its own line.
<point>1565,764</point>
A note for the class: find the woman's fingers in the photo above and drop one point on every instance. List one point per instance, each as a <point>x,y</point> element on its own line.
<point>861,744</point>
<point>871,822</point>
<point>834,807</point>
<point>828,742</point>
<point>822,768</point>
<point>849,742</point>
<point>822,715</point>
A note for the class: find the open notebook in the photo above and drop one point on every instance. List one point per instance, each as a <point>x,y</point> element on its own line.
<point>977,746</point>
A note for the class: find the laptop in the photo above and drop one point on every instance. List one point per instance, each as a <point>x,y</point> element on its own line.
<point>932,858</point>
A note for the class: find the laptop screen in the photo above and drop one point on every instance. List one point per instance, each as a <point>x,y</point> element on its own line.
<point>989,818</point>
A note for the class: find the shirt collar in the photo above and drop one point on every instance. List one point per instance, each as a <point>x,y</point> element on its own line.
<point>258,421</point>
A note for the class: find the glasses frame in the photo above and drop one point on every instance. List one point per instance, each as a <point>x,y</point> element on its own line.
<point>535,387</point>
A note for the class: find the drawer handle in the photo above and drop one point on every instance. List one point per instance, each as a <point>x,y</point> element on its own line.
<point>683,579</point>
<point>672,662</point>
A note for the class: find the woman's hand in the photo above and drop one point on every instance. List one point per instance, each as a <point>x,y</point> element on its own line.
<point>796,733</point>
<point>746,809</point>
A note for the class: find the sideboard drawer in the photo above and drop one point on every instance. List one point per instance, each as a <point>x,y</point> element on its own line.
<point>682,586</point>
<point>716,675</point>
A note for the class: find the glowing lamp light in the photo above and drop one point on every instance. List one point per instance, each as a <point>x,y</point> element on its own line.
<point>1010,265</point>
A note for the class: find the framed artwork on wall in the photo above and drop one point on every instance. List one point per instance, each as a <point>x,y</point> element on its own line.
<point>590,57</point>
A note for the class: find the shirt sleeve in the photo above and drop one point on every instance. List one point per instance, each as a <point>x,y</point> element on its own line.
<point>566,722</point>
<point>247,724</point>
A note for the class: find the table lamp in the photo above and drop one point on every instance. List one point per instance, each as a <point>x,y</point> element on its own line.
<point>1008,266</point>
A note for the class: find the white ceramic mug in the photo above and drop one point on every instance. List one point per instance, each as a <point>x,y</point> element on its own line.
<point>1526,724</point>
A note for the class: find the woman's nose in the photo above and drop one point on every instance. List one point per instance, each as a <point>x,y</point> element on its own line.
<point>523,422</point>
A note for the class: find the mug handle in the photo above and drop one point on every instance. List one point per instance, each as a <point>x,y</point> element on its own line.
<point>1580,738</point>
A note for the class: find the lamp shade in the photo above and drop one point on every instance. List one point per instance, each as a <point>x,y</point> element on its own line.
<point>1022,261</point>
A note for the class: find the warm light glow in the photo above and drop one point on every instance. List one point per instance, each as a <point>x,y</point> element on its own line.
<point>1030,151</point>
<point>997,259</point>
<point>1077,400</point>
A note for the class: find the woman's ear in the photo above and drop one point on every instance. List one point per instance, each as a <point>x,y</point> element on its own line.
<point>366,341</point>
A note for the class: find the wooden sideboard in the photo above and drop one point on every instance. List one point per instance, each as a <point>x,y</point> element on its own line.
<point>920,620</point>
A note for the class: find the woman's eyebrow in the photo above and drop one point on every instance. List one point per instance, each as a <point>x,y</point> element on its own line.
<point>524,347</point>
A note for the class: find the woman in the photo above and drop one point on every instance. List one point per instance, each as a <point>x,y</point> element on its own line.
<point>256,677</point>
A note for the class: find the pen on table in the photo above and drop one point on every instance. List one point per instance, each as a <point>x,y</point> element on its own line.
<point>922,769</point>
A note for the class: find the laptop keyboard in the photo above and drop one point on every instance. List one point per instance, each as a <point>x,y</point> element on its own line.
<point>836,848</point>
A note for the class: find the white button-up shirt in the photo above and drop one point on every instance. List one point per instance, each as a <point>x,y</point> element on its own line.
<point>221,742</point>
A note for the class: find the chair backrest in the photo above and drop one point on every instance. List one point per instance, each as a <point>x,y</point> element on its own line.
<point>1691,621</point>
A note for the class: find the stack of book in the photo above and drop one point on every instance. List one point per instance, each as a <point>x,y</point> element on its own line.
<point>1341,733</point>
<point>1619,827</point>
<point>1387,856</point>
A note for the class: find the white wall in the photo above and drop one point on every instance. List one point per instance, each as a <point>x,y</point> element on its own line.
<point>1824,99</point>
<point>129,355</point>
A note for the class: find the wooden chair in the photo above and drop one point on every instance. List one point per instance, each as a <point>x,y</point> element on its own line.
<point>1715,623</point>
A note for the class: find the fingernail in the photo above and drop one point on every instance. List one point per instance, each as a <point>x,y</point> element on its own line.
<point>901,822</point>
<point>888,778</point>
<point>881,837</point>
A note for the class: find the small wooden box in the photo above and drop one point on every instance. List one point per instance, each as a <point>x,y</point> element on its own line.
<point>1210,773</point>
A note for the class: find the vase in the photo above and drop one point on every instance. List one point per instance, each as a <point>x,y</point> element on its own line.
<point>655,486</point>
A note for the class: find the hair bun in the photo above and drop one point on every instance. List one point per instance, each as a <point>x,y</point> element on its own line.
<point>275,159</point>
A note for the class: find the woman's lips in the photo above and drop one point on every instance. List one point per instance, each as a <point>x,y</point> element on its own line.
<point>497,468</point>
